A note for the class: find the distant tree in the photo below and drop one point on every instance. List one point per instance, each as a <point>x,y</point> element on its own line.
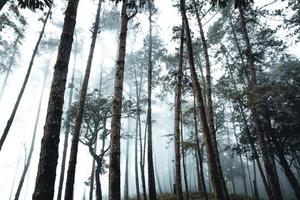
<point>31,4</point>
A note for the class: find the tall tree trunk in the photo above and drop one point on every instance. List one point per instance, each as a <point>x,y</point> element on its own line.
<point>28,160</point>
<point>79,115</point>
<point>198,151</point>
<point>136,167</point>
<point>67,132</point>
<point>183,157</point>
<point>249,176</point>
<point>114,167</point>
<point>45,180</point>
<point>11,61</point>
<point>126,183</point>
<point>91,193</point>
<point>151,177</point>
<point>210,113</point>
<point>13,113</point>
<point>213,166</point>
<point>98,182</point>
<point>270,171</point>
<point>177,120</point>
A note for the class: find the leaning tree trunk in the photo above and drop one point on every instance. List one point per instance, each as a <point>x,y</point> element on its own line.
<point>114,157</point>
<point>210,114</point>
<point>67,132</point>
<point>11,61</point>
<point>79,115</point>
<point>45,180</point>
<point>270,171</point>
<point>28,160</point>
<point>151,177</point>
<point>199,155</point>
<point>213,166</point>
<point>177,120</point>
<point>13,113</point>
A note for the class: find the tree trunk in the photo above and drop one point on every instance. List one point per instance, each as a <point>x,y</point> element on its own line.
<point>199,155</point>
<point>8,71</point>
<point>151,177</point>
<point>249,176</point>
<point>98,182</point>
<point>67,132</point>
<point>210,113</point>
<point>91,193</point>
<point>13,113</point>
<point>213,166</point>
<point>183,157</point>
<point>79,115</point>
<point>45,180</point>
<point>114,167</point>
<point>126,183</point>
<point>28,160</point>
<point>270,171</point>
<point>177,120</point>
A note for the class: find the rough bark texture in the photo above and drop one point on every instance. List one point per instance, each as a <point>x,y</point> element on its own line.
<point>151,176</point>
<point>270,171</point>
<point>13,113</point>
<point>28,160</point>
<point>213,166</point>
<point>67,131</point>
<point>79,115</point>
<point>114,164</point>
<point>177,120</point>
<point>45,180</point>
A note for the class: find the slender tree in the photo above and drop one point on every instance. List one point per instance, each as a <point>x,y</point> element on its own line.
<point>45,180</point>
<point>114,161</point>
<point>13,113</point>
<point>79,115</point>
<point>28,160</point>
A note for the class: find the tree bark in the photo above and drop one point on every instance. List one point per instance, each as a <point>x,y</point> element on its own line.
<point>114,167</point>
<point>177,120</point>
<point>213,166</point>
<point>45,180</point>
<point>28,160</point>
<point>183,158</point>
<point>67,132</point>
<point>151,176</point>
<point>2,3</point>
<point>13,113</point>
<point>98,182</point>
<point>79,115</point>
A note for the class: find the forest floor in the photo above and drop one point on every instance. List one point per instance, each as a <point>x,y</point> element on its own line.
<point>199,196</point>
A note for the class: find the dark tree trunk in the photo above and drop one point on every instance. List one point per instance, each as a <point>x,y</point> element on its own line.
<point>213,166</point>
<point>13,113</point>
<point>126,183</point>
<point>79,115</point>
<point>183,158</point>
<point>11,61</point>
<point>199,155</point>
<point>98,182</point>
<point>114,167</point>
<point>151,177</point>
<point>45,180</point>
<point>249,176</point>
<point>177,120</point>
<point>210,113</point>
<point>28,160</point>
<point>270,171</point>
<point>67,132</point>
<point>91,193</point>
